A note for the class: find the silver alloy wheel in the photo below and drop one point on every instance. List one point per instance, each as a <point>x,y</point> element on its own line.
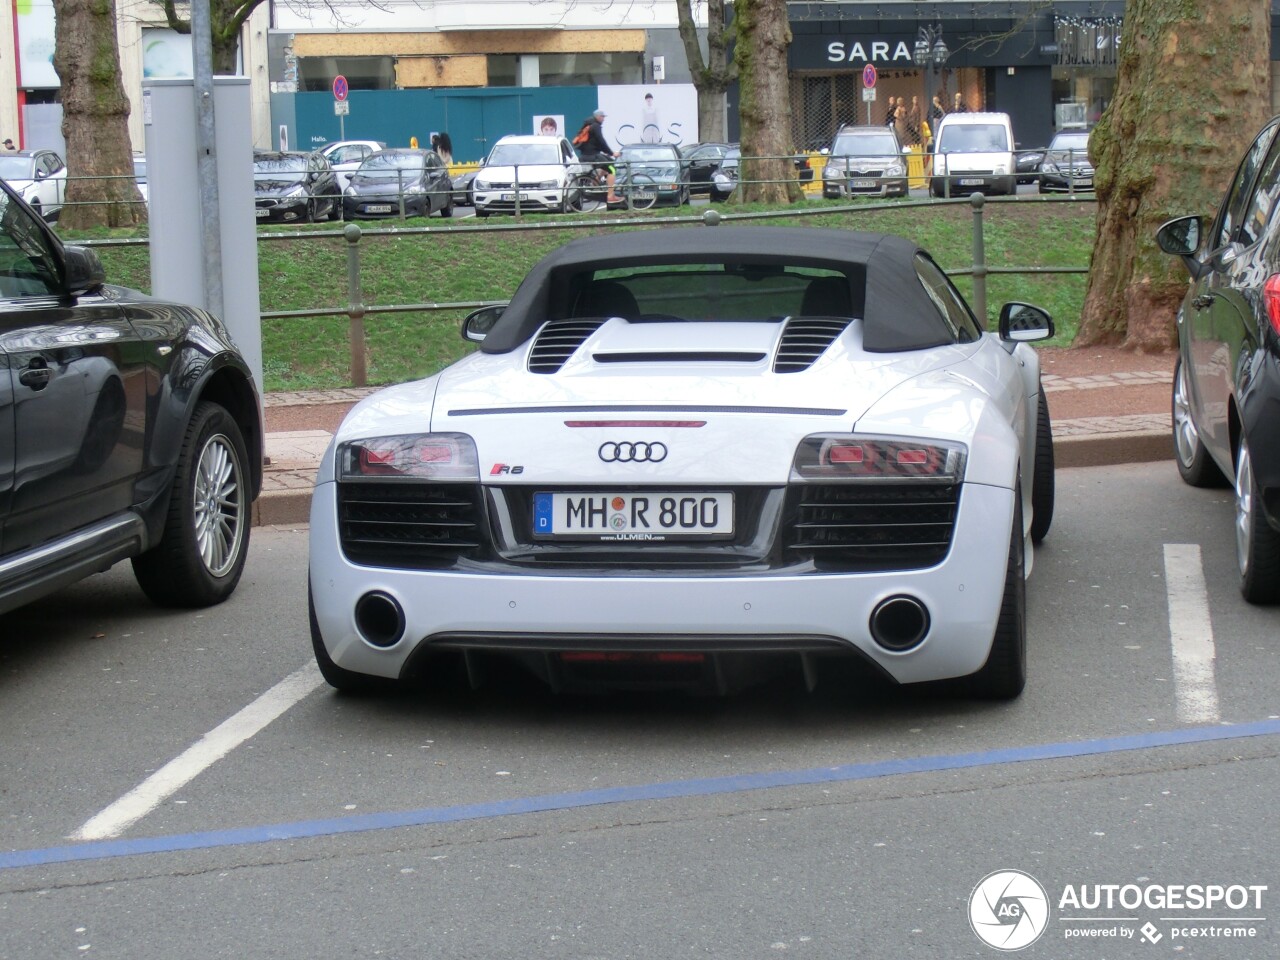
<point>219,506</point>
<point>1185,436</point>
<point>1244,508</point>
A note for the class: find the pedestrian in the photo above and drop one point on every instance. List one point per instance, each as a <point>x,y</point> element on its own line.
<point>913,122</point>
<point>900,120</point>
<point>936,111</point>
<point>9,147</point>
<point>443,145</point>
<point>959,106</point>
<point>890,113</point>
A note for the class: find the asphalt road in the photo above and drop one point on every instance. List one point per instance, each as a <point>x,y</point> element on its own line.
<point>278,819</point>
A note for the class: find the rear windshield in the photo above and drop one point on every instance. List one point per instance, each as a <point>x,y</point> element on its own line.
<point>973,138</point>
<point>718,291</point>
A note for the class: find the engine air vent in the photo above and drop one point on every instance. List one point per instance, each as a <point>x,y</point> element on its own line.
<point>804,340</point>
<point>557,341</point>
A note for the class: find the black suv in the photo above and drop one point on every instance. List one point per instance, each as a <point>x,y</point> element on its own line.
<point>129,428</point>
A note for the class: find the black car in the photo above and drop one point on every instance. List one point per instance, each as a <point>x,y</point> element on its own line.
<point>1027,165</point>
<point>292,187</point>
<point>1226,384</point>
<point>1066,164</point>
<point>130,428</point>
<point>702,160</point>
<point>405,181</point>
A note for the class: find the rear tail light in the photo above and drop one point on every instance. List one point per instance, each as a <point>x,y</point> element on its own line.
<point>1271,297</point>
<point>829,457</point>
<point>422,456</point>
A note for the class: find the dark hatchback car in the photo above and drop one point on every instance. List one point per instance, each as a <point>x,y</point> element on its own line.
<point>130,428</point>
<point>653,167</point>
<point>391,181</point>
<point>294,187</point>
<point>1226,384</point>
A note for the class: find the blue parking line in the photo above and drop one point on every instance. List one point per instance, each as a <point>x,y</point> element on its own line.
<point>206,840</point>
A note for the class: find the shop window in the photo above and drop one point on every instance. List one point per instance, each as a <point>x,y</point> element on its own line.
<point>362,73</point>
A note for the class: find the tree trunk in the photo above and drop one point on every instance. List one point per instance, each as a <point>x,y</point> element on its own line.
<point>764,105</point>
<point>226,19</point>
<point>712,76</point>
<point>1193,89</point>
<point>95,118</point>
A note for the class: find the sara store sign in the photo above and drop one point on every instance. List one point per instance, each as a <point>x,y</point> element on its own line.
<point>871,51</point>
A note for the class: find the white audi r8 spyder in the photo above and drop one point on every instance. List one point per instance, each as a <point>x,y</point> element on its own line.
<point>679,454</point>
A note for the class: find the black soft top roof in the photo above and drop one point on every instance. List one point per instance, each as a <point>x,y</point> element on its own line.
<point>898,313</point>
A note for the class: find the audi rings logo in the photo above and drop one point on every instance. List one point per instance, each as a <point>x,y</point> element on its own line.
<point>1008,910</point>
<point>633,452</point>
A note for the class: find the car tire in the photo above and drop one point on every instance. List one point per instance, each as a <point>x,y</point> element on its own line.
<point>447,210</point>
<point>36,208</point>
<point>1195,465</point>
<point>1257,544</point>
<point>341,679</point>
<point>1004,675</point>
<point>1042,484</point>
<point>335,211</point>
<point>201,553</point>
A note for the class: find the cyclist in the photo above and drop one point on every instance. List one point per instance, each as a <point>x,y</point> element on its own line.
<point>593,148</point>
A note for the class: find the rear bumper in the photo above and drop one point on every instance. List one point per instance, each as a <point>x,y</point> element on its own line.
<point>521,609</point>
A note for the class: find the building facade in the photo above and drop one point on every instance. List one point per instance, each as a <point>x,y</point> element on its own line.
<point>482,68</point>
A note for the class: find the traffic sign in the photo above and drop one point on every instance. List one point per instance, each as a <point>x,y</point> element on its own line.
<point>869,76</point>
<point>340,88</point>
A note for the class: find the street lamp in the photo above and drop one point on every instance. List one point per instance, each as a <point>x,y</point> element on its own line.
<point>930,54</point>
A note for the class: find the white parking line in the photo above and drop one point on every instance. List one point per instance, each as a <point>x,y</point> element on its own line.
<point>1191,633</point>
<point>201,755</point>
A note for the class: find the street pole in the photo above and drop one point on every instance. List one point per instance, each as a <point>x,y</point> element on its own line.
<point>207,154</point>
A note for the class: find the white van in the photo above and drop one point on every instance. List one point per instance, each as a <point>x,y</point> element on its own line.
<point>973,151</point>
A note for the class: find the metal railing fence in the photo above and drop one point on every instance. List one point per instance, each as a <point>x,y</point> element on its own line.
<point>978,269</point>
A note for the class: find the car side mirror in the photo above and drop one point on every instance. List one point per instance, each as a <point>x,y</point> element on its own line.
<point>83,270</point>
<point>1024,323</point>
<point>1182,238</point>
<point>480,323</point>
<point>40,174</point>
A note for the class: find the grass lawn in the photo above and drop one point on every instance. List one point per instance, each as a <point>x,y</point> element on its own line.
<point>455,263</point>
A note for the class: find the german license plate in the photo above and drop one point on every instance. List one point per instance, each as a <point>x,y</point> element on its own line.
<point>863,184</point>
<point>378,208</point>
<point>262,212</point>
<point>652,515</point>
<point>643,195</point>
<point>970,181</point>
<point>1085,182</point>
<point>512,196</point>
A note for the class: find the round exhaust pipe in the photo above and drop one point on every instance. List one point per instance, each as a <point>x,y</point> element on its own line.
<point>379,619</point>
<point>899,623</point>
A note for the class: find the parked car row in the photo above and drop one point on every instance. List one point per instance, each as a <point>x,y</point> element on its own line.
<point>369,182</point>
